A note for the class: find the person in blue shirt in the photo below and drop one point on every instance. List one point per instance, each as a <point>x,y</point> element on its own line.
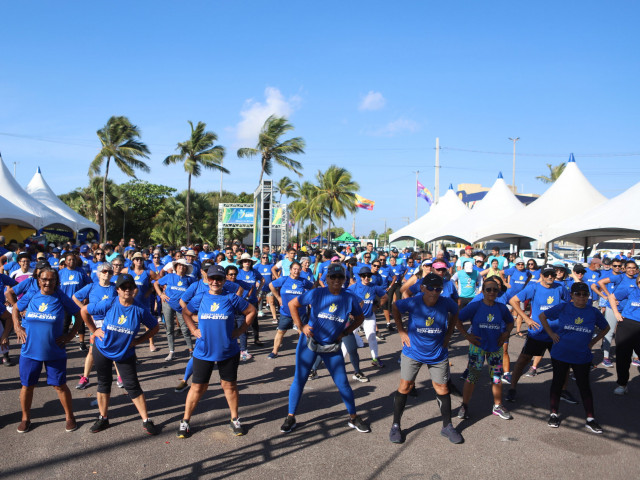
<point>98,259</point>
<point>6,323</point>
<point>170,288</point>
<point>517,278</point>
<point>115,341</point>
<point>73,278</point>
<point>491,325</point>
<point>285,289</point>
<point>143,278</point>
<point>43,341</point>
<point>321,336</point>
<point>543,295</point>
<point>306,272</point>
<point>216,343</point>
<point>425,341</point>
<point>573,338</point>
<point>264,268</point>
<point>395,274</point>
<point>251,280</point>
<point>468,283</point>
<point>591,277</point>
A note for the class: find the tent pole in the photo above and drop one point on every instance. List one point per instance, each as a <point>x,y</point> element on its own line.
<point>584,252</point>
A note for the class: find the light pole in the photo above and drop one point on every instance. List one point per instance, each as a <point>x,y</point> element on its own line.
<point>513,179</point>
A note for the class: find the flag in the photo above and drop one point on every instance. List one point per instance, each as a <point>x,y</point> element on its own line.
<point>423,192</point>
<point>362,202</point>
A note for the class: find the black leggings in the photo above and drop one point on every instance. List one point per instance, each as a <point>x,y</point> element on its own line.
<point>581,371</point>
<point>394,291</point>
<point>127,369</point>
<point>627,340</point>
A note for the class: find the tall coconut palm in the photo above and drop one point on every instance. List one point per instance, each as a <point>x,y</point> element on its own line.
<point>198,152</point>
<point>119,140</point>
<point>270,148</point>
<point>554,173</point>
<point>336,192</point>
<point>303,208</point>
<point>285,187</point>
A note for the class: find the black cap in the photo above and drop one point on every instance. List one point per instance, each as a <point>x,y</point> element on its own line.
<point>579,287</point>
<point>364,270</point>
<point>579,269</point>
<point>216,271</point>
<point>123,279</point>
<point>335,269</point>
<point>432,280</point>
<point>42,264</point>
<point>606,261</point>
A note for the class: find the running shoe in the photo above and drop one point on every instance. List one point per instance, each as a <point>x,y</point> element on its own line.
<point>532,372</point>
<point>607,363</point>
<point>245,356</point>
<point>361,377</point>
<point>274,321</point>
<point>463,411</point>
<point>71,426</point>
<point>184,430</point>
<point>554,420</point>
<point>452,434</point>
<point>593,426</point>
<point>260,314</point>
<point>635,362</point>
<point>6,361</point>
<point>236,427</point>
<point>83,383</point>
<point>567,397</point>
<point>101,424</point>
<point>378,338</point>
<point>506,378</point>
<point>119,382</point>
<point>511,395</point>
<point>376,362</point>
<point>395,435</point>
<point>289,424</point>
<point>359,424</point>
<point>313,374</point>
<point>24,426</point>
<point>620,390</point>
<point>182,386</point>
<point>272,355</point>
<point>169,357</point>
<point>83,347</point>
<point>149,427</point>
<point>390,327</point>
<point>501,412</point>
<point>295,327</point>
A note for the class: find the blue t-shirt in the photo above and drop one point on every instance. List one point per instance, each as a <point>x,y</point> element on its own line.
<point>535,275</point>
<point>94,293</point>
<point>44,322</point>
<point>631,299</point>
<point>502,262</point>
<point>487,322</point>
<point>590,278</point>
<point>308,275</point>
<point>575,327</point>
<point>427,327</point>
<point>367,294</point>
<point>618,284</point>
<point>72,280</point>
<point>248,281</point>
<point>120,326</point>
<point>329,313</point>
<point>143,282</point>
<point>54,262</point>
<point>396,271</point>
<point>5,281</point>
<point>468,283</point>
<point>265,271</point>
<point>542,299</point>
<point>518,279</point>
<point>289,289</point>
<point>28,285</point>
<point>216,321</point>
<point>175,286</point>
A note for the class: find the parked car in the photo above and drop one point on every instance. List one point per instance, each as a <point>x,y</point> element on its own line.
<point>538,256</point>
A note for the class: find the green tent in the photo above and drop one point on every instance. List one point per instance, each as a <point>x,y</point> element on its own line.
<point>346,237</point>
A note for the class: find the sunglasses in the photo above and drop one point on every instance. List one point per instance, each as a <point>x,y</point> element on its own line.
<point>375,265</point>
<point>549,274</point>
<point>118,265</point>
<point>441,269</point>
<point>616,266</point>
<point>434,289</point>
<point>366,275</point>
<point>479,261</point>
<point>531,264</point>
<point>492,290</point>
<point>127,287</point>
<point>334,277</point>
<point>217,279</point>
<point>232,274</point>
<point>108,272</point>
<point>581,294</point>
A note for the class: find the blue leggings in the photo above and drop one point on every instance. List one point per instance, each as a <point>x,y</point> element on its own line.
<point>335,365</point>
<point>351,346</point>
<point>189,370</point>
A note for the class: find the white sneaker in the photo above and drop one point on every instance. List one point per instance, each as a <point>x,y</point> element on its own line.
<point>260,314</point>
<point>245,355</point>
<point>169,357</point>
<point>620,390</point>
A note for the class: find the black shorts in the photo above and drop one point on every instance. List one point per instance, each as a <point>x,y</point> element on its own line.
<point>536,348</point>
<point>228,369</point>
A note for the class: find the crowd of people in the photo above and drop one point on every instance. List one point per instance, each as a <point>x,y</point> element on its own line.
<point>120,295</point>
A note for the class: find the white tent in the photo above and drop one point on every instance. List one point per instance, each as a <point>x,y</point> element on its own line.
<point>448,208</point>
<point>40,190</point>
<point>11,214</point>
<point>603,222</point>
<point>569,194</point>
<point>39,216</point>
<point>499,202</point>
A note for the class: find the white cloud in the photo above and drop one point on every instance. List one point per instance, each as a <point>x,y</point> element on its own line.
<point>372,101</point>
<point>254,114</point>
<point>401,125</point>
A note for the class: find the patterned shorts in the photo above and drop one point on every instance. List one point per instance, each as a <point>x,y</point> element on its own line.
<point>476,361</point>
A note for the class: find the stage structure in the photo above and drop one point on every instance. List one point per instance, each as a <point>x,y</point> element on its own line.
<point>233,215</point>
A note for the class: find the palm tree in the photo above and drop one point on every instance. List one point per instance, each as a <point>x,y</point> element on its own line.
<point>336,193</point>
<point>270,148</point>
<point>119,142</point>
<point>303,208</point>
<point>554,173</point>
<point>285,188</point>
<point>198,152</point>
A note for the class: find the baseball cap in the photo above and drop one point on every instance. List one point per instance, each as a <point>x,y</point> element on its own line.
<point>55,250</point>
<point>84,248</point>
<point>123,279</point>
<point>364,270</point>
<point>579,287</point>
<point>335,269</point>
<point>468,247</point>
<point>42,264</point>
<point>548,270</point>
<point>579,269</point>
<point>432,280</point>
<point>216,271</point>
<point>428,261</point>
<point>518,260</point>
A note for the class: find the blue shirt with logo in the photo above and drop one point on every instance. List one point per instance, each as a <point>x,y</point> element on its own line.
<point>631,298</point>
<point>329,312</point>
<point>542,299</point>
<point>289,289</point>
<point>487,322</point>
<point>265,271</point>
<point>175,286</point>
<point>248,280</point>
<point>72,280</point>
<point>367,294</point>
<point>94,293</point>
<point>517,279</point>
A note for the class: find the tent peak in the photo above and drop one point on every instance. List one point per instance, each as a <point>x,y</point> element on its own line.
<point>451,186</point>
<point>38,171</point>
<point>572,159</point>
<point>500,175</point>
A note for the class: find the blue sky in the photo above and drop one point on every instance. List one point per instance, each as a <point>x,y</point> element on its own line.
<point>369,86</point>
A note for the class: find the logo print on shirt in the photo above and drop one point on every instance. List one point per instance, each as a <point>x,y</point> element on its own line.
<point>247,277</point>
<point>294,286</point>
<point>490,317</point>
<point>137,277</point>
<point>71,277</point>
<point>579,321</point>
<point>367,295</point>
<point>333,308</point>
<point>550,300</point>
<point>122,319</point>
<point>429,321</point>
<point>104,297</point>
<point>43,306</point>
<point>214,307</point>
<point>180,283</point>
<point>521,277</point>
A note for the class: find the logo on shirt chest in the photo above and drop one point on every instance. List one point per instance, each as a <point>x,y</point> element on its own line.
<point>429,321</point>
<point>71,277</point>
<point>550,300</point>
<point>490,318</point>
<point>137,277</point>
<point>333,308</point>
<point>366,296</point>
<point>43,307</point>
<point>295,286</point>
<point>122,319</point>
<point>579,320</point>
<point>180,283</point>
<point>215,307</point>
<point>104,297</point>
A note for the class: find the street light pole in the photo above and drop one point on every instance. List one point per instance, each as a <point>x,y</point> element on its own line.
<point>513,179</point>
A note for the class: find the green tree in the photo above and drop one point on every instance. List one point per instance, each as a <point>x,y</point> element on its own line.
<point>196,153</point>
<point>303,208</point>
<point>119,141</point>
<point>554,173</point>
<point>285,187</point>
<point>270,148</point>
<point>335,193</point>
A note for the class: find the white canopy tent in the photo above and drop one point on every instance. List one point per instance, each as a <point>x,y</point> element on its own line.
<point>40,190</point>
<point>449,208</point>
<point>11,214</point>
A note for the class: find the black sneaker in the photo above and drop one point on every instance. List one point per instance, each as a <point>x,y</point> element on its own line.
<point>149,427</point>
<point>395,435</point>
<point>567,397</point>
<point>289,424</point>
<point>554,420</point>
<point>593,426</point>
<point>463,412</point>
<point>184,430</point>
<point>452,434</point>
<point>511,395</point>
<point>24,426</point>
<point>236,427</point>
<point>359,425</point>
<point>83,347</point>
<point>101,424</point>
<point>6,361</point>
<point>390,327</point>
<point>313,374</point>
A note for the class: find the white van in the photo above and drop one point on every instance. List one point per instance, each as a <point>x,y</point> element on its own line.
<point>611,248</point>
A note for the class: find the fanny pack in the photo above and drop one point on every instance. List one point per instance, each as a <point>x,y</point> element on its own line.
<point>328,348</point>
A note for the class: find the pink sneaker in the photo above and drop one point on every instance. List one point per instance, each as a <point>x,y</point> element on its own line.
<point>83,383</point>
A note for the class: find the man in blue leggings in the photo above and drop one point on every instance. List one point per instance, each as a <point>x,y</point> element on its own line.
<point>328,324</point>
